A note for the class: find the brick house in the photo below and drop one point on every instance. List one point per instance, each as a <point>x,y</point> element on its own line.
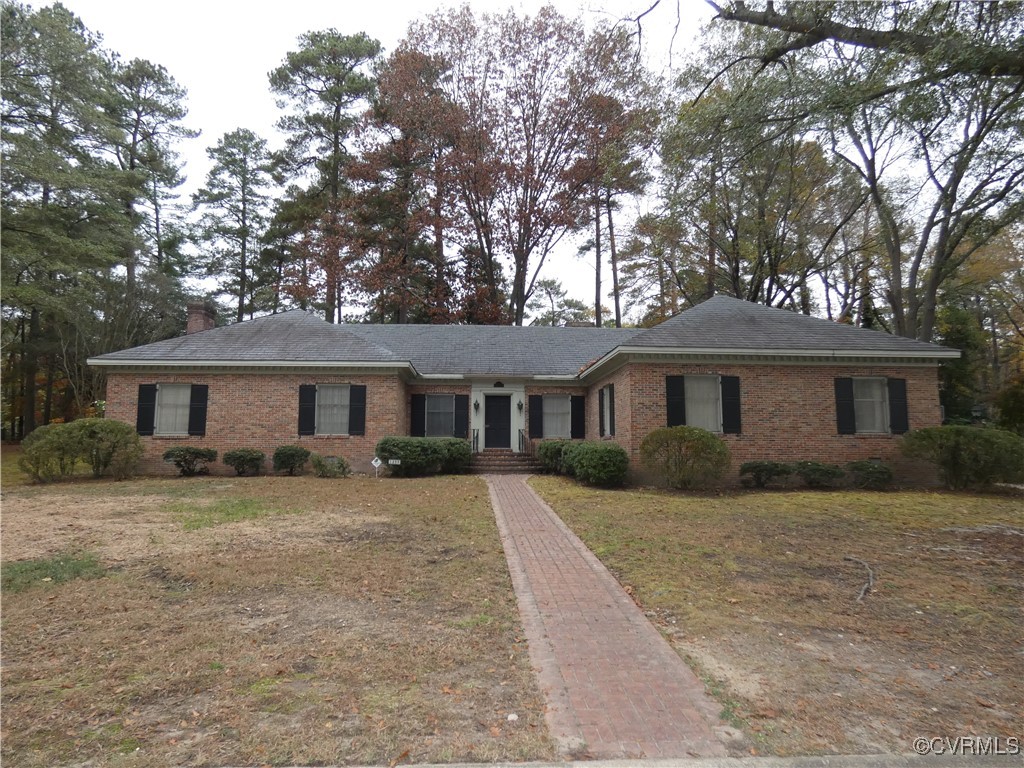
<point>775,384</point>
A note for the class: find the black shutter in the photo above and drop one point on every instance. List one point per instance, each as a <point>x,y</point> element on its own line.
<point>357,409</point>
<point>536,404</point>
<point>578,416</point>
<point>462,416</point>
<point>675,400</point>
<point>846,419</point>
<point>611,410</point>
<point>731,405</point>
<point>307,409</point>
<point>600,412</point>
<point>197,409</point>
<point>145,415</point>
<point>899,421</point>
<point>418,422</point>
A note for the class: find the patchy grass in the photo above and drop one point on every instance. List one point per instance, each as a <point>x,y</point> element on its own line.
<point>195,515</point>
<point>376,621</point>
<point>755,590</point>
<point>18,576</point>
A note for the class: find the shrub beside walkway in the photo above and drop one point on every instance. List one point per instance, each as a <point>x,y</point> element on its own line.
<point>615,687</point>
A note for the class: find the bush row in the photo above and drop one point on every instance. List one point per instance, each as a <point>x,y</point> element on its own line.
<point>52,452</point>
<point>815,474</point>
<point>291,459</point>
<point>594,463</point>
<point>420,456</point>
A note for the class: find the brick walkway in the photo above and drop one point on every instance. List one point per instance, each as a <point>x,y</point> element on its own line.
<point>614,686</point>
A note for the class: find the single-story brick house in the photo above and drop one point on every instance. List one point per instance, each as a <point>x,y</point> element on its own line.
<point>775,384</point>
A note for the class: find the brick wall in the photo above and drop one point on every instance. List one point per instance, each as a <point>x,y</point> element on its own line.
<point>248,410</point>
<point>788,413</point>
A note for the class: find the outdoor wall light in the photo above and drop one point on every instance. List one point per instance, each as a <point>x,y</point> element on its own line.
<point>476,405</point>
<point>519,405</point>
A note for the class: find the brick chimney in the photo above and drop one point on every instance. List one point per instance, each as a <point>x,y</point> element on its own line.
<point>201,317</point>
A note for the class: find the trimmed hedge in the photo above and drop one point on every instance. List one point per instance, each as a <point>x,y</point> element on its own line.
<point>686,457</point>
<point>191,460</point>
<point>418,456</point>
<point>817,474</point>
<point>969,456</point>
<point>245,461</point>
<point>549,453</point>
<point>602,464</point>
<point>763,472</point>
<point>456,455</point>
<point>872,475</point>
<point>291,459</point>
<point>330,466</point>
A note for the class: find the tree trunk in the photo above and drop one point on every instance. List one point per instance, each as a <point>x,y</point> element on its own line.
<point>614,261</point>
<point>30,365</point>
<point>597,258</point>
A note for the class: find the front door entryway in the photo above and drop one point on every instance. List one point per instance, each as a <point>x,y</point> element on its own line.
<point>497,421</point>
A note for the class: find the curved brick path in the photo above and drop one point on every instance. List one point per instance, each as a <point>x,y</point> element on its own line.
<point>614,686</point>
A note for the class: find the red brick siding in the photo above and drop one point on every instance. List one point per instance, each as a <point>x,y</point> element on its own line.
<point>247,410</point>
<point>787,411</point>
<point>624,428</point>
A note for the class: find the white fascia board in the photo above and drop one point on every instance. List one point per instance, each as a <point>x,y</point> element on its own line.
<point>441,376</point>
<point>559,377</point>
<point>836,354</point>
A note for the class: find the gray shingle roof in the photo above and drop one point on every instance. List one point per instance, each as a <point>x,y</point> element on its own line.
<point>723,322</point>
<point>294,336</point>
<point>499,350</point>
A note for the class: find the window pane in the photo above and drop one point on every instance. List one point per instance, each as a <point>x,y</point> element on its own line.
<point>440,416</point>
<point>332,409</point>
<point>702,406</point>
<point>870,405</point>
<point>172,401</point>
<point>557,416</point>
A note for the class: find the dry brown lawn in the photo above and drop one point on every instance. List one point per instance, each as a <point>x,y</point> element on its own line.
<point>269,620</point>
<point>755,591</point>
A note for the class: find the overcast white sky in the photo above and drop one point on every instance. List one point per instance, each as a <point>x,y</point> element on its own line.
<point>222,50</point>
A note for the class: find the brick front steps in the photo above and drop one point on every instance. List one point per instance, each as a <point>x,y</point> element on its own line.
<point>496,461</point>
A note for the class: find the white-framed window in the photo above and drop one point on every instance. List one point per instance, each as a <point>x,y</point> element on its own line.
<point>172,407</point>
<point>557,416</point>
<point>440,416</point>
<point>606,397</point>
<point>332,409</point>
<point>704,402</point>
<point>871,405</point>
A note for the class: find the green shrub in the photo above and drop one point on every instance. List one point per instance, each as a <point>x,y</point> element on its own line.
<point>191,460</point>
<point>456,455</point>
<point>817,474</point>
<point>108,446</point>
<point>291,459</point>
<point>602,464</point>
<point>417,456</point>
<point>50,452</point>
<point>569,454</point>
<point>329,466</point>
<point>245,461</point>
<point>686,457</point>
<point>873,475</point>
<point>763,472</point>
<point>549,453</point>
<point>969,456</point>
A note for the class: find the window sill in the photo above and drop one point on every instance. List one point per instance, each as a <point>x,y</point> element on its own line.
<point>174,437</point>
<point>321,437</point>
